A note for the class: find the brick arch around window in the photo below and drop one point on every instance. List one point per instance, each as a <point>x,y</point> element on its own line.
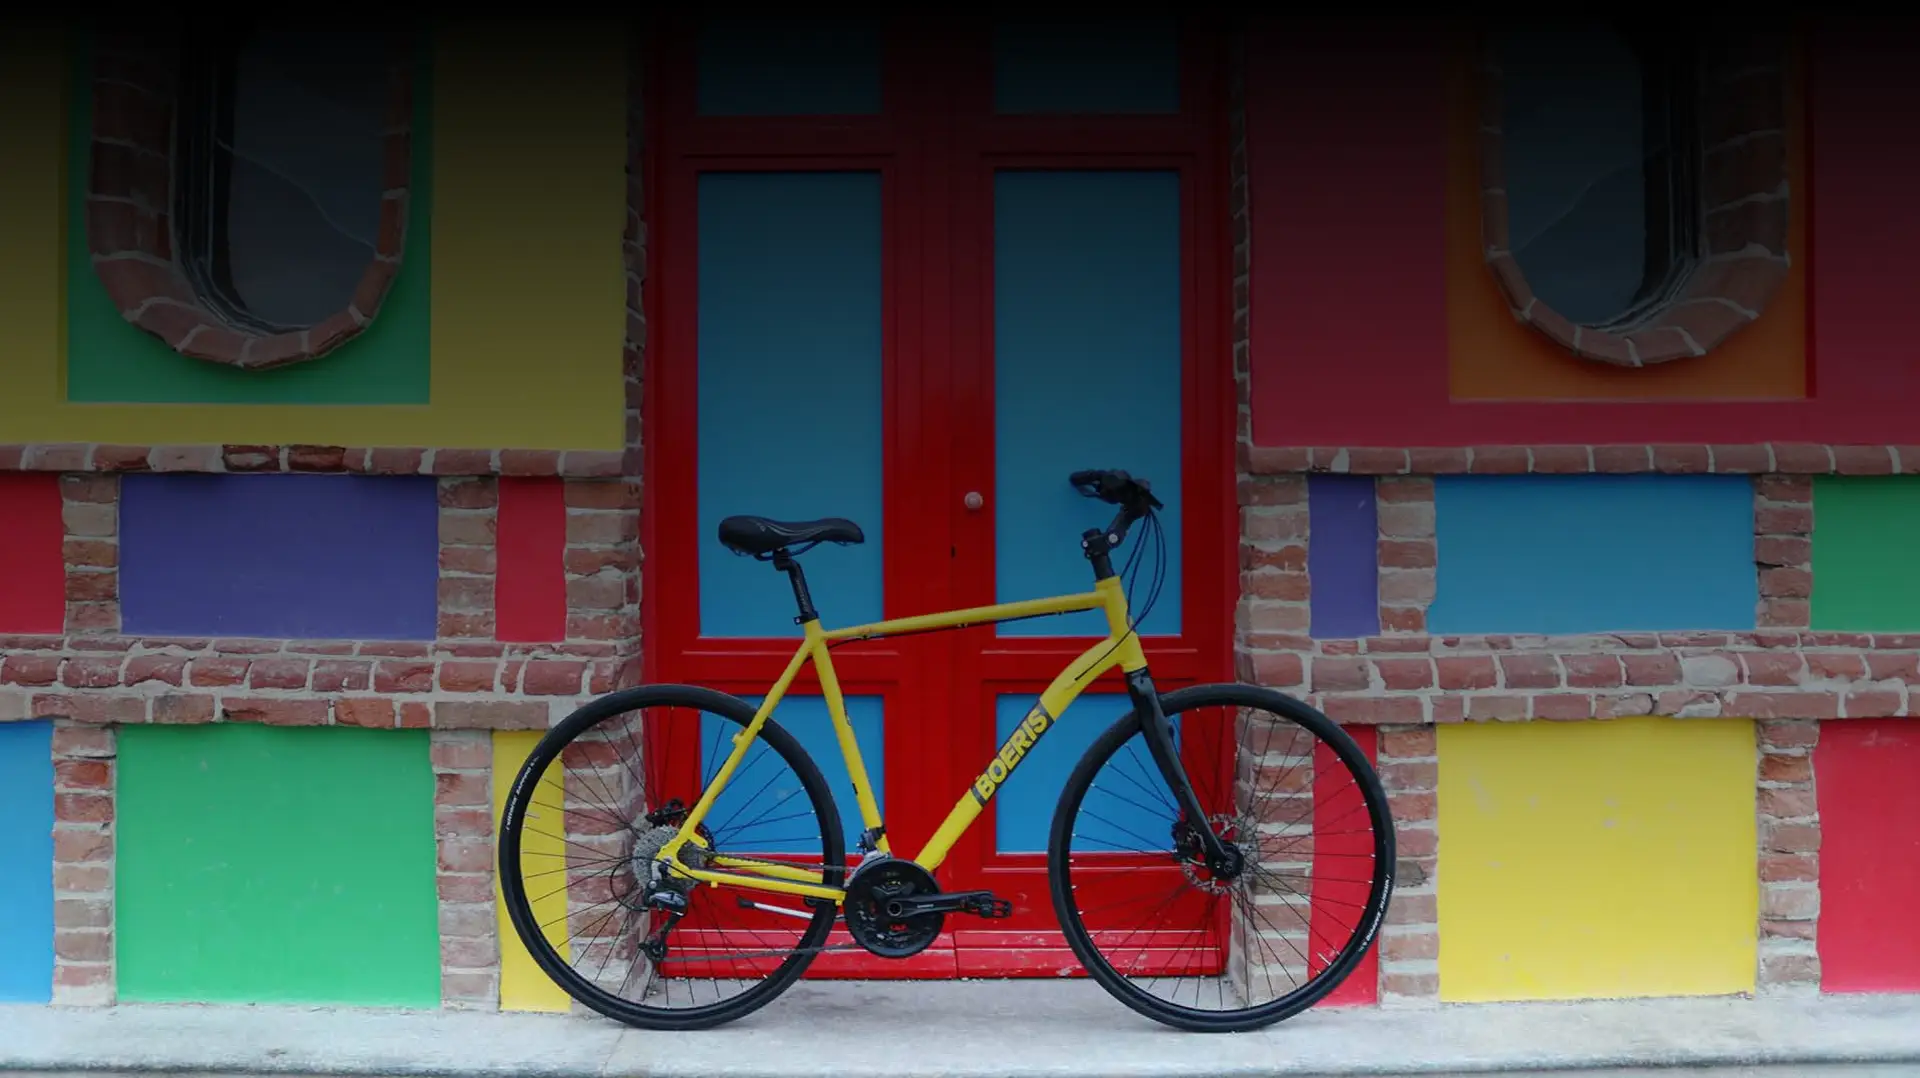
<point>1744,187</point>
<point>130,210</point>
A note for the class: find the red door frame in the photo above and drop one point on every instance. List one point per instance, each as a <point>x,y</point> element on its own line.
<point>936,143</point>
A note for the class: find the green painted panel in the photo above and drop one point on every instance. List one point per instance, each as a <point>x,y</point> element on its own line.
<point>1865,575</point>
<point>112,362</point>
<point>262,864</point>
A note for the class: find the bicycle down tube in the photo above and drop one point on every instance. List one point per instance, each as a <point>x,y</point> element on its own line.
<point>1120,648</point>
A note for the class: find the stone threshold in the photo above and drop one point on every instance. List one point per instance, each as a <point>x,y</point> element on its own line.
<point>969,1028</point>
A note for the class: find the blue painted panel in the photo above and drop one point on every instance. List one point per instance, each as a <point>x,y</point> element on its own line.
<point>1086,375</point>
<point>747,806</point>
<point>26,862</point>
<point>1024,807</point>
<point>790,413</point>
<point>789,67</point>
<point>1577,554</point>
<point>1081,66</point>
<point>1343,556</point>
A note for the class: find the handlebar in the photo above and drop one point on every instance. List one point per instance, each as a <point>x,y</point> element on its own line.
<point>1134,496</point>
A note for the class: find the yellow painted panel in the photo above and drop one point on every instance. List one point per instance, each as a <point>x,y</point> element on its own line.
<point>523,985</point>
<point>1597,859</point>
<point>33,260</point>
<point>529,286</point>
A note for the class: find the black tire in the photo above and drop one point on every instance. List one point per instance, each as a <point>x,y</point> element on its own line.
<point>519,908</point>
<point>1193,1019</point>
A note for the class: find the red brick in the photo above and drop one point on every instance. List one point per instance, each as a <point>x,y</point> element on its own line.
<point>460,788</point>
<point>342,675</point>
<point>88,774</point>
<point>462,753</point>
<point>278,674</point>
<point>1873,704</point>
<point>175,708</point>
<point>276,712</point>
<point>469,493</point>
<point>591,494</point>
<point>609,593</point>
<point>1789,867</point>
<point>1774,668</point>
<point>1563,706</point>
<point>1789,903</point>
<point>217,671</point>
<point>1592,671</point>
<point>1405,674</point>
<point>91,673</point>
<point>479,561</point>
<point>1416,743</point>
<point>372,712</point>
<point>553,678</point>
<point>491,714</point>
<point>403,677</point>
<point>465,855</point>
<point>415,715</point>
<point>1337,674</point>
<point>1656,669</point>
<point>108,710</point>
<point>1409,909</point>
<point>80,945</point>
<point>1782,550</point>
<point>1376,709</point>
<point>1530,671</point>
<point>78,846</point>
<point>30,669</point>
<point>82,913</point>
<point>1845,667</point>
<point>167,669</point>
<point>90,807</point>
<point>1407,553</point>
<point>1784,705</point>
<point>1409,776</point>
<point>1792,837</point>
<point>1777,768</point>
<point>1787,803</point>
<point>85,742</point>
<point>1278,668</point>
<point>469,676</point>
<point>1887,667</point>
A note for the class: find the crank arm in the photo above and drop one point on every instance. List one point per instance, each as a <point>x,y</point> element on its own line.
<point>980,903</point>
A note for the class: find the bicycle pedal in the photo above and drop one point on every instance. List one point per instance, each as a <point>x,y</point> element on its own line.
<point>983,904</point>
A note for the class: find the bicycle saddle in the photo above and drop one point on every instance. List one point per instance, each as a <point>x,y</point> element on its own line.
<point>758,535</point>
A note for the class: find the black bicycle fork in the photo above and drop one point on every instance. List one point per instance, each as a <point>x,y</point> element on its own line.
<point>1222,859</point>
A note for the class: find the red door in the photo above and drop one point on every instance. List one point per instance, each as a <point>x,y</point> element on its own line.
<point>914,274</point>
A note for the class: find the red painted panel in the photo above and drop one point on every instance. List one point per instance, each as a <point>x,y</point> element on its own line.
<point>530,581</point>
<point>33,572</point>
<point>1346,348</point>
<point>1346,157</point>
<point>1861,110</point>
<point>1340,892</point>
<point>1869,855</point>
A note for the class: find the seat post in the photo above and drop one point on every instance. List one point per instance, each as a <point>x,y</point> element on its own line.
<point>802,598</point>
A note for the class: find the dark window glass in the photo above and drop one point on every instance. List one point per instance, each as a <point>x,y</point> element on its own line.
<point>281,160</point>
<point>1601,158</point>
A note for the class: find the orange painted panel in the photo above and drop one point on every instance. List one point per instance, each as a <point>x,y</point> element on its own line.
<point>1492,356</point>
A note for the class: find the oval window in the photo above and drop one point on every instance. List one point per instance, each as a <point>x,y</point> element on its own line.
<point>1602,163</point>
<point>280,168</point>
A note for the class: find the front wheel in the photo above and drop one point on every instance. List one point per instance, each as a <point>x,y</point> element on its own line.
<point>1289,790</point>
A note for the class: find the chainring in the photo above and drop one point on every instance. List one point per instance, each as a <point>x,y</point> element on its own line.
<point>873,884</point>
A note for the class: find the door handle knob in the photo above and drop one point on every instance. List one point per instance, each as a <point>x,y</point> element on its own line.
<point>973,500</point>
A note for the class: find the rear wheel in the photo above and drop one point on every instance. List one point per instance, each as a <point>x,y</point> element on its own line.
<point>591,807</point>
<point>1282,784</point>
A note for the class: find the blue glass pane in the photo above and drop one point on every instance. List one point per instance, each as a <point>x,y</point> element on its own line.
<point>1129,807</point>
<point>1087,66</point>
<point>789,67</point>
<point>754,814</point>
<point>1086,375</point>
<point>1574,149</point>
<point>790,417</point>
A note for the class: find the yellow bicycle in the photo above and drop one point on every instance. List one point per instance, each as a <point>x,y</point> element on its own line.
<point>676,874</point>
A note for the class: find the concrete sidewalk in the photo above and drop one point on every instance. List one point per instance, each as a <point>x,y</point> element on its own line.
<point>850,1030</point>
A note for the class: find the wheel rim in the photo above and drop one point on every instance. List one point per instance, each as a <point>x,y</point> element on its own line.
<point>1173,938</point>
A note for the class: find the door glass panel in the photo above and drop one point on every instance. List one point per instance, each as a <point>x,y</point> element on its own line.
<point>1134,820</point>
<point>1087,363</point>
<point>790,414</point>
<point>781,820</point>
<point>1082,66</point>
<point>789,67</point>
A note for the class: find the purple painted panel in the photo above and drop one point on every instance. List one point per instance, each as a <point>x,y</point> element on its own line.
<point>313,556</point>
<point>1343,560</point>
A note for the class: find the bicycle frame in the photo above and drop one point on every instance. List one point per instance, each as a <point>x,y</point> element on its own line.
<point>1119,648</point>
